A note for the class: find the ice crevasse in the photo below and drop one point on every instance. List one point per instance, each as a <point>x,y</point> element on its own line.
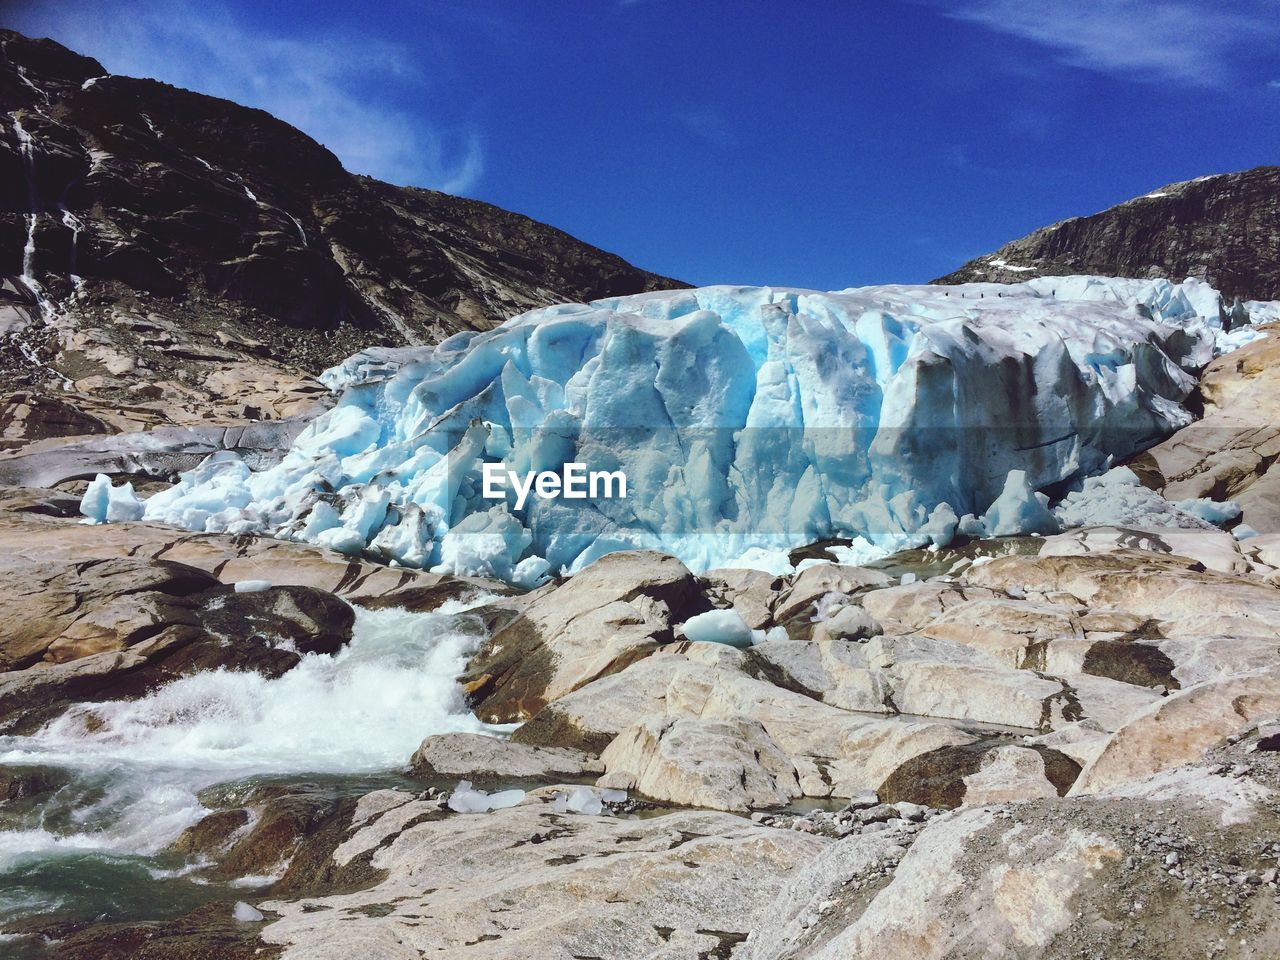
<point>747,420</point>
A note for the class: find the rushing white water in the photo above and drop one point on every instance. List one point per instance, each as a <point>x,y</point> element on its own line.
<point>22,75</point>
<point>136,770</point>
<point>29,260</point>
<point>75,225</point>
<point>26,149</point>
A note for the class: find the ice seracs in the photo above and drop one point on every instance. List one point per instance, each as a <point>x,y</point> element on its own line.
<point>747,421</point>
<point>104,503</point>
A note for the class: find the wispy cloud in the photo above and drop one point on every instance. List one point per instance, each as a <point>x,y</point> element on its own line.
<point>1190,42</point>
<point>314,84</point>
<point>709,125</point>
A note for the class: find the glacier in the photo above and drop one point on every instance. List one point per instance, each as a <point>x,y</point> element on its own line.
<point>748,421</point>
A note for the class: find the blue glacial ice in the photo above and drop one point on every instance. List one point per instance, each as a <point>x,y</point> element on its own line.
<point>748,420</point>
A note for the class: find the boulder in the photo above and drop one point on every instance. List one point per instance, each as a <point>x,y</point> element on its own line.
<point>110,629</point>
<point>616,611</point>
<point>38,527</point>
<point>835,752</point>
<point>1229,454</point>
<point>942,777</point>
<point>1179,729</point>
<point>837,672</point>
<point>1215,549</point>
<point>1008,774</point>
<point>946,900</point>
<point>719,764</point>
<point>480,757</point>
<point>909,607</point>
<point>968,691</point>
<point>752,593</point>
<point>1007,629</point>
<point>1154,586</point>
<point>847,623</point>
<point>682,884</point>
<point>812,584</point>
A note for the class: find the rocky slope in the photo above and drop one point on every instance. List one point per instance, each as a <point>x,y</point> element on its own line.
<point>174,258</point>
<point>1223,229</point>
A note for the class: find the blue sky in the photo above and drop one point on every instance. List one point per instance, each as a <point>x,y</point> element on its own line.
<point>809,142</point>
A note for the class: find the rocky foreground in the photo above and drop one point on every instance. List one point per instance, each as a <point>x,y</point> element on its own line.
<point>1032,747</point>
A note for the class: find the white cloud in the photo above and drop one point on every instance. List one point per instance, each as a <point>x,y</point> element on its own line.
<point>1191,42</point>
<point>314,84</point>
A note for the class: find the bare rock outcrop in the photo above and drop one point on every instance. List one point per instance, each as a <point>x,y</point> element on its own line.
<point>1229,453</point>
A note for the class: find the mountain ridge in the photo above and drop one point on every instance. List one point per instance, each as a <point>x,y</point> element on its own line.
<point>171,258</point>
<point>1223,229</point>
<point>181,192</point>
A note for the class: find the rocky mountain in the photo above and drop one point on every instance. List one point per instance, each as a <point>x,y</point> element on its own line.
<point>1223,229</point>
<point>169,257</point>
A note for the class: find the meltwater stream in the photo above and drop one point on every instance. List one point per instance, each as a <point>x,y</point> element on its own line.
<point>125,776</point>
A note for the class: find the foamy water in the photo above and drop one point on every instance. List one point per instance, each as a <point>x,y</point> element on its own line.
<point>136,772</point>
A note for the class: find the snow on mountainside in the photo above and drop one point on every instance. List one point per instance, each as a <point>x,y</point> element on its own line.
<point>1221,229</point>
<point>747,420</point>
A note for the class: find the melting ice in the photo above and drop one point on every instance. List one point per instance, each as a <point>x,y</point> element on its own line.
<point>747,420</point>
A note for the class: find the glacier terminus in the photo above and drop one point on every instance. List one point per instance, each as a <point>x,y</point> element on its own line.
<point>746,420</point>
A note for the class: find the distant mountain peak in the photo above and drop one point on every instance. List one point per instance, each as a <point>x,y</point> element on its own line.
<point>1223,228</point>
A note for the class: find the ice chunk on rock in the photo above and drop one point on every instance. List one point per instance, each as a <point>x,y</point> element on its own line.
<point>719,626</point>
<point>1117,498</point>
<point>505,798</point>
<point>466,799</point>
<point>245,913</point>
<point>586,801</point>
<point>103,503</point>
<point>1210,511</point>
<point>252,586</point>
<point>1019,510</point>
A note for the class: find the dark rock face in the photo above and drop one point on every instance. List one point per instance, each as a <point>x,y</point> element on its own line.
<point>168,258</point>
<point>181,194</point>
<point>1223,229</point>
